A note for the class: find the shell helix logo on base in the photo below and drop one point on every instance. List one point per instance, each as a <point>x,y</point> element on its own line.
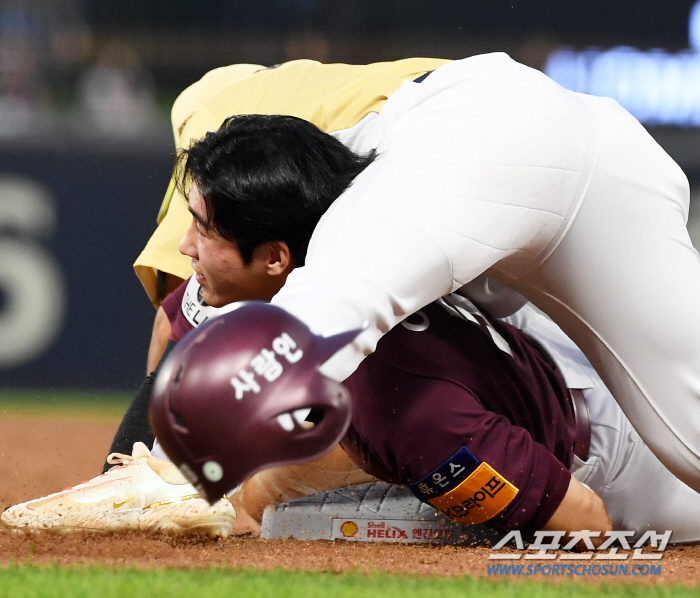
<point>402,531</point>
<point>349,529</point>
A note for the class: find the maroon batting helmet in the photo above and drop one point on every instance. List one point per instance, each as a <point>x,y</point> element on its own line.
<point>233,397</point>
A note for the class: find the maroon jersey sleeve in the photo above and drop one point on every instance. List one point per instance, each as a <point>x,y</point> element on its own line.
<point>172,305</point>
<point>482,433</point>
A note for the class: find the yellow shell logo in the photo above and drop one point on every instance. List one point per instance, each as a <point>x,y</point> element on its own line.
<point>349,529</point>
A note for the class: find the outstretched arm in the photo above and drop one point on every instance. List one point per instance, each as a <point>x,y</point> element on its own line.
<point>281,484</point>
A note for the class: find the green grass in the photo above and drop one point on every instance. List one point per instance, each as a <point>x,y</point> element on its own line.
<point>76,582</point>
<point>68,403</point>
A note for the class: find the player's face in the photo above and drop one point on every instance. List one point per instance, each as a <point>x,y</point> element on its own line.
<point>218,264</point>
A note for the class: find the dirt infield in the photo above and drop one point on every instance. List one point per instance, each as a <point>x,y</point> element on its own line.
<point>39,456</point>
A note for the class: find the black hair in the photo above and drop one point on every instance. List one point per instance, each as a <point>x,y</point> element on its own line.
<point>268,178</point>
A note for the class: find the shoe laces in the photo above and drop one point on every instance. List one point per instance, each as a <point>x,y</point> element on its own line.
<point>139,451</point>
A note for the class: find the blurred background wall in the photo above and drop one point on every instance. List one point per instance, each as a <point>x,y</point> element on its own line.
<point>86,149</point>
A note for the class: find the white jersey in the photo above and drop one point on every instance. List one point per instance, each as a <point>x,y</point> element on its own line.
<point>441,205</point>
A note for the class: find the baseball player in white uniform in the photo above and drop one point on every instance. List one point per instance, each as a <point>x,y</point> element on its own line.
<point>488,166</point>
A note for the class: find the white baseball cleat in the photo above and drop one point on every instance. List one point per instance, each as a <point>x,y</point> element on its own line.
<point>139,493</point>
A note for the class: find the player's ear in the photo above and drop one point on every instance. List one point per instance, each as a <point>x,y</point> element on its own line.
<point>279,258</point>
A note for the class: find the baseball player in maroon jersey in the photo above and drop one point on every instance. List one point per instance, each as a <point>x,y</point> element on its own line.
<point>454,389</point>
<point>505,444</point>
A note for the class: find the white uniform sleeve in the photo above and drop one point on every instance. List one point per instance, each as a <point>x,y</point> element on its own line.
<point>388,247</point>
<point>453,192</point>
<point>370,275</point>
